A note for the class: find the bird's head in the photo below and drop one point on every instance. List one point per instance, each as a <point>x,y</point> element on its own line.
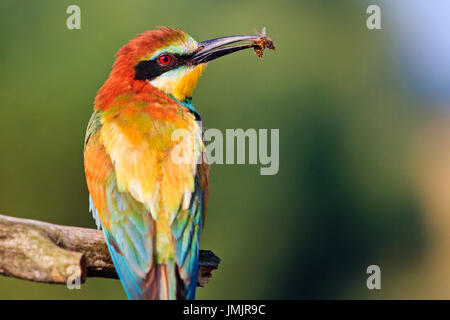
<point>169,60</point>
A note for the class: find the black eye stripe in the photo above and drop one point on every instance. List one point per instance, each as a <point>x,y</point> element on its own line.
<point>150,69</point>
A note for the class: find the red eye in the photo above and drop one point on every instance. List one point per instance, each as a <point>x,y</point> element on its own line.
<point>165,59</point>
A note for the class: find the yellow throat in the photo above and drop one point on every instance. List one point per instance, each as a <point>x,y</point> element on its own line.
<point>181,82</point>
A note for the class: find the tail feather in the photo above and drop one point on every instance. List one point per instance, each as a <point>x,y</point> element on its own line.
<point>130,281</point>
<point>163,282</point>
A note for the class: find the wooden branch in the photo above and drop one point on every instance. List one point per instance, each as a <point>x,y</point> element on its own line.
<point>45,252</point>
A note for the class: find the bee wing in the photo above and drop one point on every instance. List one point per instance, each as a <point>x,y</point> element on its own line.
<point>261,33</point>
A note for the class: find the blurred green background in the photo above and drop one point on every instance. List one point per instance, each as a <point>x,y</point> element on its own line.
<point>345,196</point>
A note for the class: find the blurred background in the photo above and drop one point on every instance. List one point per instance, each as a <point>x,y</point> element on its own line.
<point>364,139</point>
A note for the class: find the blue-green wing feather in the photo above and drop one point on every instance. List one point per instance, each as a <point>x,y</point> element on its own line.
<point>130,240</point>
<point>186,230</point>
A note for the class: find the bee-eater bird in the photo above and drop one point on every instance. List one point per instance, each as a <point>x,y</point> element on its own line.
<point>151,208</point>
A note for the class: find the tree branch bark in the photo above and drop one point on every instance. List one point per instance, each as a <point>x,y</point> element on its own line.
<point>44,252</point>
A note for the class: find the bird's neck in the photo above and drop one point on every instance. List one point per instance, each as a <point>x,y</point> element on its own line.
<point>136,91</point>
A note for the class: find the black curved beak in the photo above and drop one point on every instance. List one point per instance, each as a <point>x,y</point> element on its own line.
<point>215,48</point>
